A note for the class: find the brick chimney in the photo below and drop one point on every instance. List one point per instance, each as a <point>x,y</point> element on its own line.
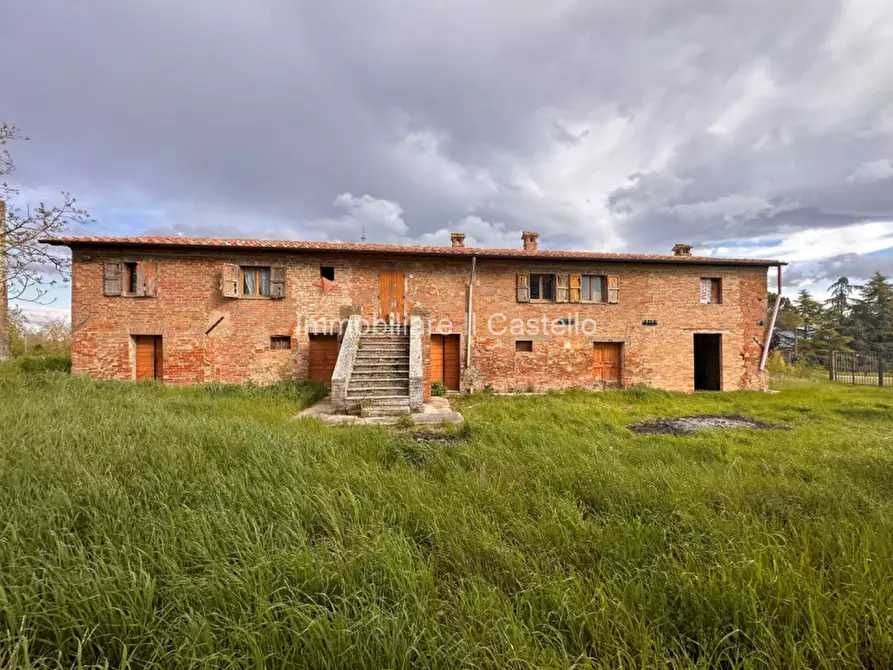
<point>458,239</point>
<point>682,250</point>
<point>529,239</point>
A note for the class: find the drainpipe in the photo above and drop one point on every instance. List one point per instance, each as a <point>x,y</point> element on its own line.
<point>470,314</point>
<point>771,323</point>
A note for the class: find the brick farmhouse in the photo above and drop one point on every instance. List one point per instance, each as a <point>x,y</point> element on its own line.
<point>196,310</point>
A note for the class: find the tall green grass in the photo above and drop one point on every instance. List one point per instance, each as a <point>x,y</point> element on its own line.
<point>146,526</point>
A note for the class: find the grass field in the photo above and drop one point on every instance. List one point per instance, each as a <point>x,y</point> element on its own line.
<point>144,526</point>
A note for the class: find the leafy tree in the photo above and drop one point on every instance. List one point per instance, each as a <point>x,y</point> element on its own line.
<point>28,268</point>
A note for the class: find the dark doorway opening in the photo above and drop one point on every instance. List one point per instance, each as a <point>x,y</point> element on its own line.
<point>708,368</point>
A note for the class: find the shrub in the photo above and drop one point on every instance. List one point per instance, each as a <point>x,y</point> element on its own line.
<point>438,389</point>
<point>32,364</point>
<point>776,363</point>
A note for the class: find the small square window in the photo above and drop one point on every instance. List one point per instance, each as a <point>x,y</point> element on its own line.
<point>524,346</point>
<point>327,272</point>
<point>280,342</point>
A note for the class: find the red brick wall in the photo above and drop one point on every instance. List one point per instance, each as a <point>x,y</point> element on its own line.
<point>238,349</point>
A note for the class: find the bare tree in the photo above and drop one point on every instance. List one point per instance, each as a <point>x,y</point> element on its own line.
<point>27,268</point>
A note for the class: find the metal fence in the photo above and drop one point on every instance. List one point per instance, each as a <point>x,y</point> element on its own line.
<point>859,369</point>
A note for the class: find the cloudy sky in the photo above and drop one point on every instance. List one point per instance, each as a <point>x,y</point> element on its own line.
<point>745,127</point>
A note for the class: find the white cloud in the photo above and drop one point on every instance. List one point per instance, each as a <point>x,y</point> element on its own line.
<point>816,244</point>
<point>872,171</point>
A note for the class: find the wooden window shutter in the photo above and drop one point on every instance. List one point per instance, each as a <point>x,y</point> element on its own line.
<point>140,280</point>
<point>576,288</point>
<point>523,285</point>
<point>229,284</point>
<point>111,276</point>
<point>150,279</point>
<point>613,289</point>
<point>277,281</point>
<point>562,290</point>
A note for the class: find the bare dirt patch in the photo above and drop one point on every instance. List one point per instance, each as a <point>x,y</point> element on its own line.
<point>686,425</point>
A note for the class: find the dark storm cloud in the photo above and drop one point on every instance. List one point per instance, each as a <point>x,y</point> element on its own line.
<point>600,124</point>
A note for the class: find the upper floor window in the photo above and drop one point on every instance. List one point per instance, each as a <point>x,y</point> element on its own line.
<point>542,287</point>
<point>592,288</point>
<point>256,281</point>
<point>252,281</point>
<point>711,290</point>
<point>567,288</point>
<point>133,279</point>
<point>131,276</point>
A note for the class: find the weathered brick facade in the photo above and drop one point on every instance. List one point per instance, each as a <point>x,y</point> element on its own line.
<point>211,338</point>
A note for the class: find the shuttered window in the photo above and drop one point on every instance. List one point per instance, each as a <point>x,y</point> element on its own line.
<point>592,288</point>
<point>256,282</point>
<point>134,279</point>
<point>542,287</point>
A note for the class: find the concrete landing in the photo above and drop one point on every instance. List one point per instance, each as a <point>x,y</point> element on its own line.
<point>434,412</point>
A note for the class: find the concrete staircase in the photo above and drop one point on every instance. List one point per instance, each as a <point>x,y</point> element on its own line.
<point>379,380</point>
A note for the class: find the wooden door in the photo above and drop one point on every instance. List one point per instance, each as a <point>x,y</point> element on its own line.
<point>451,362</point>
<point>323,356</point>
<point>436,366</point>
<point>149,357</point>
<point>445,352</point>
<point>606,358</point>
<point>390,291</point>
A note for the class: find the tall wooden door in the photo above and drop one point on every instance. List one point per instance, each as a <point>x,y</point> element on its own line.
<point>149,357</point>
<point>444,367</point>
<point>390,291</point>
<point>606,358</point>
<point>323,356</point>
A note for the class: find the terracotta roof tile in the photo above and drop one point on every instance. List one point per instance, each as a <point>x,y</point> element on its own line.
<point>354,247</point>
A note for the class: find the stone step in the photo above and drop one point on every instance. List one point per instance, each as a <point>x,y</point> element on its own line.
<point>385,366</point>
<point>396,384</point>
<point>375,393</point>
<point>385,376</point>
<point>384,340</point>
<point>383,346</point>
<point>378,389</point>
<point>396,410</point>
<point>386,356</point>
<point>384,400</point>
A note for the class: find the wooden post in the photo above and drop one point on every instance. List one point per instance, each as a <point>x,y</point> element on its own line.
<point>855,361</point>
<point>880,369</point>
<point>833,367</point>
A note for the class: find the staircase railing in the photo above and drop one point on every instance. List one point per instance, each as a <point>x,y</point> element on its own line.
<point>347,354</point>
<point>416,367</point>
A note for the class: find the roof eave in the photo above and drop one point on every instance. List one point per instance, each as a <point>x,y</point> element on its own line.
<point>466,252</point>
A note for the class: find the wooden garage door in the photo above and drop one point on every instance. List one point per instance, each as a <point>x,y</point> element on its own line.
<point>149,357</point>
<point>606,362</point>
<point>445,360</point>
<point>323,356</point>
